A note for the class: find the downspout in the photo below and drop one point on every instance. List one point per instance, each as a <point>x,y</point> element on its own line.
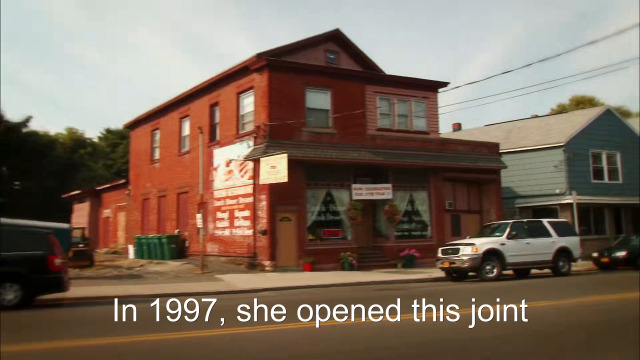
<point>574,200</point>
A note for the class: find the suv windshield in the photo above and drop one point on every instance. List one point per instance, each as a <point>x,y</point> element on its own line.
<point>492,230</point>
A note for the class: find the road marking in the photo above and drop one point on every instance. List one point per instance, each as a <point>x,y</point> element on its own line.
<point>59,344</point>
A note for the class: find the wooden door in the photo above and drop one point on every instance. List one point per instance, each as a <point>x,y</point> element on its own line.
<point>471,223</point>
<point>362,231</point>
<point>286,239</point>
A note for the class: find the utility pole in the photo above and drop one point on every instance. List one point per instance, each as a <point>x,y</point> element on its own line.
<point>201,198</point>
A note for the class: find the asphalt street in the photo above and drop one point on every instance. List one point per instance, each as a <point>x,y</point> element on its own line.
<point>583,316</point>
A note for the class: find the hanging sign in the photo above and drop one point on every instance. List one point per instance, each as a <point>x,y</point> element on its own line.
<point>371,191</point>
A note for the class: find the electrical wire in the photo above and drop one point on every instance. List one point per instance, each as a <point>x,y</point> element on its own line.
<point>532,92</point>
<point>547,58</point>
<point>542,83</point>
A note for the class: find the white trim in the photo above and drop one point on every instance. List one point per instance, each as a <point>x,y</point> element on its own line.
<point>330,119</point>
<point>585,200</point>
<point>532,148</point>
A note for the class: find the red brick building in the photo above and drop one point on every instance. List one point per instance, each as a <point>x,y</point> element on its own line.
<point>102,212</point>
<point>341,121</point>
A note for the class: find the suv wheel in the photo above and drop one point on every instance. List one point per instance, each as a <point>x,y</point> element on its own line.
<point>561,265</point>
<point>521,273</point>
<point>456,275</point>
<point>490,270</point>
<point>12,294</point>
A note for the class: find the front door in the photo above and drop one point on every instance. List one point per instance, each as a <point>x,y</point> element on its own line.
<point>286,239</point>
<point>362,230</point>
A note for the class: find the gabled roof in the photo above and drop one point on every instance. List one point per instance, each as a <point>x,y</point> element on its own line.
<point>532,133</point>
<point>334,35</point>
<point>276,56</point>
<point>634,123</point>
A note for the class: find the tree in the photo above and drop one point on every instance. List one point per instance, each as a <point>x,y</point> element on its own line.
<point>114,146</point>
<point>578,102</point>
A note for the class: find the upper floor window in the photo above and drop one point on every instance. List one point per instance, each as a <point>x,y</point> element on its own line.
<point>185,130</point>
<point>214,123</point>
<point>332,57</point>
<point>605,166</point>
<point>246,112</point>
<point>402,114</point>
<point>318,108</point>
<point>155,144</point>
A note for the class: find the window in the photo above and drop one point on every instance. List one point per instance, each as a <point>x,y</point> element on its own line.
<point>563,228</point>
<point>415,218</point>
<point>385,116</point>
<point>327,215</point>
<point>592,220</point>
<point>246,112</point>
<point>332,57</point>
<point>155,144</point>
<point>318,108</point>
<point>537,229</point>
<point>185,130</point>
<point>605,166</point>
<point>402,114</point>
<point>214,123</point>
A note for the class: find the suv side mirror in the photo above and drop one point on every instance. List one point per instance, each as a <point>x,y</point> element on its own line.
<point>512,235</point>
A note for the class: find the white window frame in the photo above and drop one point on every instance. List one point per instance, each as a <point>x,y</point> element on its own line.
<point>155,144</point>
<point>185,131</point>
<point>215,109</point>
<point>244,126</point>
<point>330,119</point>
<point>605,166</point>
<point>390,113</point>
<point>394,113</point>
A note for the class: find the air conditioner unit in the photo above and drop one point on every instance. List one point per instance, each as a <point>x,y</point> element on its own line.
<point>450,205</point>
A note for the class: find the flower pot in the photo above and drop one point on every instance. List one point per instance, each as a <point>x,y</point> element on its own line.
<point>347,266</point>
<point>410,262</point>
<point>307,267</point>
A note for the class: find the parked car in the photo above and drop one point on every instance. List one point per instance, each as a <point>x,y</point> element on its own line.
<point>518,245</point>
<point>32,264</point>
<point>625,251</point>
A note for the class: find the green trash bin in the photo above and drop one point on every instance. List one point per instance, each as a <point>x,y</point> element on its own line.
<point>138,247</point>
<point>170,246</point>
<point>164,252</point>
<point>144,247</point>
<point>154,247</point>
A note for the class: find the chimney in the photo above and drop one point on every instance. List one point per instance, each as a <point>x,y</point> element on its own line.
<point>457,127</point>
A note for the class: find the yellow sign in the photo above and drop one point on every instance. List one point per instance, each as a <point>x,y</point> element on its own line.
<point>274,169</point>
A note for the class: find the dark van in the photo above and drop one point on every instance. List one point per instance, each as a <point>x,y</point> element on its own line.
<point>32,264</point>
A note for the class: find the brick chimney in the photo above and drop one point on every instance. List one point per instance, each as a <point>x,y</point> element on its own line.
<point>457,127</point>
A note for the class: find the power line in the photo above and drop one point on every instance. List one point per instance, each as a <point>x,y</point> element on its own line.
<point>532,92</point>
<point>542,83</point>
<point>548,57</point>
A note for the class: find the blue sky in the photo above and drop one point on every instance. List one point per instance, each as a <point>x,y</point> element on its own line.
<point>96,64</point>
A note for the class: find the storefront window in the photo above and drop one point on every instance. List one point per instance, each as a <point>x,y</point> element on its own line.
<point>327,215</point>
<point>415,221</point>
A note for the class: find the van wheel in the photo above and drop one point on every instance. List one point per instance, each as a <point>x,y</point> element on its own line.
<point>522,273</point>
<point>561,265</point>
<point>13,294</point>
<point>490,270</point>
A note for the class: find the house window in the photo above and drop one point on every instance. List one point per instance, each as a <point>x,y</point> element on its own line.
<point>592,220</point>
<point>402,114</point>
<point>155,144</point>
<point>185,130</point>
<point>332,57</point>
<point>318,108</point>
<point>214,123</point>
<point>415,216</point>
<point>327,215</point>
<point>605,166</point>
<point>246,112</point>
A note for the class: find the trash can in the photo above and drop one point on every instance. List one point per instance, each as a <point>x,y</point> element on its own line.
<point>170,246</point>
<point>138,246</point>
<point>154,247</point>
<point>144,247</point>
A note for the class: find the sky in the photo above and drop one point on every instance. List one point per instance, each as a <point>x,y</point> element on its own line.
<point>95,64</point>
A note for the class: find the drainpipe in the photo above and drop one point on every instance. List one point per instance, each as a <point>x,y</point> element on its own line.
<point>201,193</point>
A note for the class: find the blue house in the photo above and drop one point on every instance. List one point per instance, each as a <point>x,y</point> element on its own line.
<point>582,166</point>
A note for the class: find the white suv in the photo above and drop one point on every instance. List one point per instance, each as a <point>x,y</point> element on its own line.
<point>518,245</point>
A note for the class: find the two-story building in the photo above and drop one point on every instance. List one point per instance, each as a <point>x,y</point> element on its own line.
<point>582,166</point>
<point>350,138</point>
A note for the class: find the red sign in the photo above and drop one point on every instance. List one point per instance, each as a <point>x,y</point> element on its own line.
<point>332,233</point>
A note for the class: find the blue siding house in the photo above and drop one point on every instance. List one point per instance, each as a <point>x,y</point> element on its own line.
<point>582,166</point>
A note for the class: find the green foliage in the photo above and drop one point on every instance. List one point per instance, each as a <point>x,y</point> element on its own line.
<point>578,102</point>
<point>37,167</point>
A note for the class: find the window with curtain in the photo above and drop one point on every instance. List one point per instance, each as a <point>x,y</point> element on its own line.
<point>415,222</point>
<point>327,215</point>
<point>402,114</point>
<point>318,108</point>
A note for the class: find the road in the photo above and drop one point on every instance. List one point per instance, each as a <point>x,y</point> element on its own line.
<point>583,316</point>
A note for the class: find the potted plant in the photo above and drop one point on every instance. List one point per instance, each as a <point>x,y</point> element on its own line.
<point>348,261</point>
<point>392,213</point>
<point>354,211</point>
<point>307,263</point>
<point>409,257</point>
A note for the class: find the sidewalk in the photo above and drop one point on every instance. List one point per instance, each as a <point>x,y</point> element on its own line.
<point>213,284</point>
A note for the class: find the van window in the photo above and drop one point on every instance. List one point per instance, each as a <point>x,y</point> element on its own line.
<point>24,240</point>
